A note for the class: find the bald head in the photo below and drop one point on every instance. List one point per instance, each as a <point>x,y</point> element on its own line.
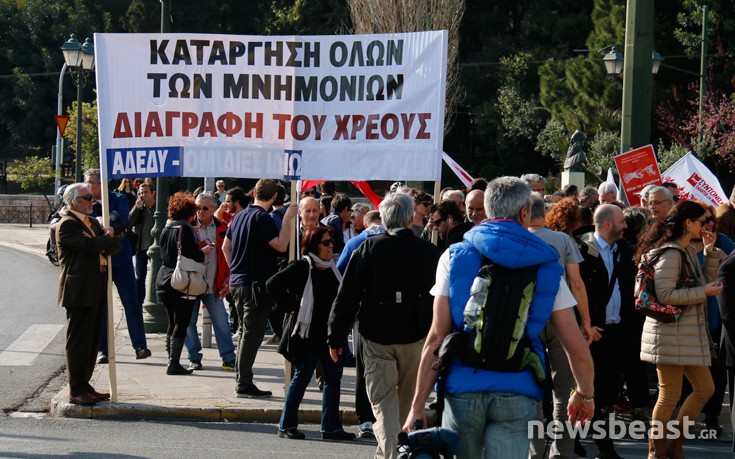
<point>609,222</point>
<point>309,211</point>
<point>475,203</point>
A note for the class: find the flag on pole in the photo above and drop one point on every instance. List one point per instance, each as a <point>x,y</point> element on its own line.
<point>457,169</point>
<point>695,181</point>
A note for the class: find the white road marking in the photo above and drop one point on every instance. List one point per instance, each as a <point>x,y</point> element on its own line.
<point>24,350</point>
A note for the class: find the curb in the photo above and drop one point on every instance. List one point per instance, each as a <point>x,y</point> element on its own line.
<point>136,412</point>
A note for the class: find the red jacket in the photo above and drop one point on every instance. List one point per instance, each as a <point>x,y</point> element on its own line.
<point>222,277</point>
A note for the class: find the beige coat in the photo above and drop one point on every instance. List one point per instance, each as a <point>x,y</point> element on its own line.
<point>686,341</point>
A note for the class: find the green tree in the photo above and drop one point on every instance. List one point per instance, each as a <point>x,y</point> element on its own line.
<point>33,173</point>
<point>90,136</point>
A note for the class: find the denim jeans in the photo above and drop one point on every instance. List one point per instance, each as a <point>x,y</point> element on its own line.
<point>141,270</point>
<point>496,422</point>
<point>218,315</point>
<point>304,370</point>
<point>124,278</point>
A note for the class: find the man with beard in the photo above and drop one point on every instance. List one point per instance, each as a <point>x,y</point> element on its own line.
<point>608,271</point>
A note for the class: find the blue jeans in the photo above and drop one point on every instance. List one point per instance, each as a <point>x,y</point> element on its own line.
<point>124,278</point>
<point>141,269</point>
<point>496,422</point>
<point>330,395</point>
<point>220,325</point>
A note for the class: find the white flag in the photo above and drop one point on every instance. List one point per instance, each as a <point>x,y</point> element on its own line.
<point>695,181</point>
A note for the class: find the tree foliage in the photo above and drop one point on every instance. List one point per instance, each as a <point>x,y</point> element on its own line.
<point>33,173</point>
<point>90,133</point>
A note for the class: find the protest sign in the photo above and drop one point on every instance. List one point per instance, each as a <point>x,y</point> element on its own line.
<point>695,181</point>
<point>342,107</point>
<point>637,168</point>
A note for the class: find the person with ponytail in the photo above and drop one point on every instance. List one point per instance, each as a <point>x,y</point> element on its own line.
<point>304,291</point>
<point>681,348</point>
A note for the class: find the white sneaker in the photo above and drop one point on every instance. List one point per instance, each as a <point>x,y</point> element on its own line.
<point>366,430</point>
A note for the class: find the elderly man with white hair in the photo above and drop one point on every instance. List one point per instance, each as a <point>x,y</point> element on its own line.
<point>83,249</point>
<point>660,201</point>
<point>387,285</point>
<point>608,192</point>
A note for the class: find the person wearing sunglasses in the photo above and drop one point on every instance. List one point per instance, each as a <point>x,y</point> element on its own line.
<point>304,291</point>
<point>83,246</point>
<point>211,232</point>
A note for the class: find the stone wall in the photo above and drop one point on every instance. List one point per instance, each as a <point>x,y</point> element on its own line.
<point>19,208</point>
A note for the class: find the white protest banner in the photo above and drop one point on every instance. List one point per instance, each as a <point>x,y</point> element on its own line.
<point>340,107</point>
<point>695,181</point>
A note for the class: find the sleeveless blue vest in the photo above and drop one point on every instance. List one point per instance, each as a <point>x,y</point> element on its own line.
<point>509,244</point>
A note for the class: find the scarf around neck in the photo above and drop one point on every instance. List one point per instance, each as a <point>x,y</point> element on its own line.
<point>303,321</point>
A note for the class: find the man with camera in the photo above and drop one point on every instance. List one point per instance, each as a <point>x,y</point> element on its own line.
<point>490,408</point>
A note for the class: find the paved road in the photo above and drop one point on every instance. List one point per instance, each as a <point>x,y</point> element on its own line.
<point>31,332</point>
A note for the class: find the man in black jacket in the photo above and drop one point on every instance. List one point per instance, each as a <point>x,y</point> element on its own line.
<point>607,268</point>
<point>726,300</point>
<point>387,284</point>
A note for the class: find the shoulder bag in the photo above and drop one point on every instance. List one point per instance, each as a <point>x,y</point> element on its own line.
<point>189,275</point>
<point>645,290</point>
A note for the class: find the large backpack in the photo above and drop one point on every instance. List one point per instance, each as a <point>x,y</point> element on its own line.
<point>499,340</point>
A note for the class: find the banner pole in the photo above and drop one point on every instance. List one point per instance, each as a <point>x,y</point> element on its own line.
<point>112,366</point>
<point>437,200</point>
<point>292,254</point>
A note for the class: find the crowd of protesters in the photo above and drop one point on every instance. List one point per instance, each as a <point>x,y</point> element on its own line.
<point>398,277</point>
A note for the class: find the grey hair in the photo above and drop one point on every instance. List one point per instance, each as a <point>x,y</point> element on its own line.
<point>588,193</point>
<point>661,189</point>
<point>93,173</point>
<point>506,196</point>
<point>449,193</point>
<point>533,178</point>
<point>220,182</point>
<point>607,187</point>
<point>538,206</point>
<point>604,213</point>
<point>360,208</point>
<point>396,210</point>
<point>646,189</point>
<point>72,192</point>
<point>207,195</point>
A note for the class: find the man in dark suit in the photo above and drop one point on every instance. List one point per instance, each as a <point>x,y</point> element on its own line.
<point>83,248</point>
<point>726,300</point>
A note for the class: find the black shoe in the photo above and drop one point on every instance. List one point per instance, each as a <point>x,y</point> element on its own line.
<point>338,435</point>
<point>141,354</point>
<point>579,450</point>
<point>175,369</point>
<point>102,358</point>
<point>608,454</point>
<point>252,392</point>
<point>712,423</point>
<point>291,434</point>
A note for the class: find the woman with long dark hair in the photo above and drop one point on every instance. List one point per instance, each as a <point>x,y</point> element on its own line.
<point>305,290</point>
<point>683,347</point>
<point>128,189</point>
<point>179,306</point>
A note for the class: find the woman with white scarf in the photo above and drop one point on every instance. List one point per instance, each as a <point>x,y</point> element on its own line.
<point>305,290</point>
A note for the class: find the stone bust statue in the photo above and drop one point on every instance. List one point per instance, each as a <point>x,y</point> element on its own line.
<point>575,155</point>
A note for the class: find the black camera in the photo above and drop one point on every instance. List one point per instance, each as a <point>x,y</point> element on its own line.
<point>431,443</point>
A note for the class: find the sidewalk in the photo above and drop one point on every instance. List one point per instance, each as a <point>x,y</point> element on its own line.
<point>144,391</point>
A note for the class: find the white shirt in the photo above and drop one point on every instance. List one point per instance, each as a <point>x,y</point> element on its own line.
<point>564,298</point>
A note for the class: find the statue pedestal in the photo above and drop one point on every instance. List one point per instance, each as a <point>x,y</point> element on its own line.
<point>572,177</point>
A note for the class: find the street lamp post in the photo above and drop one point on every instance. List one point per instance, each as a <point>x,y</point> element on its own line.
<point>78,58</point>
<point>155,319</point>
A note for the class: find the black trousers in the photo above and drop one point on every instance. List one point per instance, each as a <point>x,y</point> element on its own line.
<point>608,360</point>
<point>179,309</point>
<point>83,330</point>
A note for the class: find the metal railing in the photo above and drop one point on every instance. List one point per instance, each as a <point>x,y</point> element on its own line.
<point>24,214</point>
